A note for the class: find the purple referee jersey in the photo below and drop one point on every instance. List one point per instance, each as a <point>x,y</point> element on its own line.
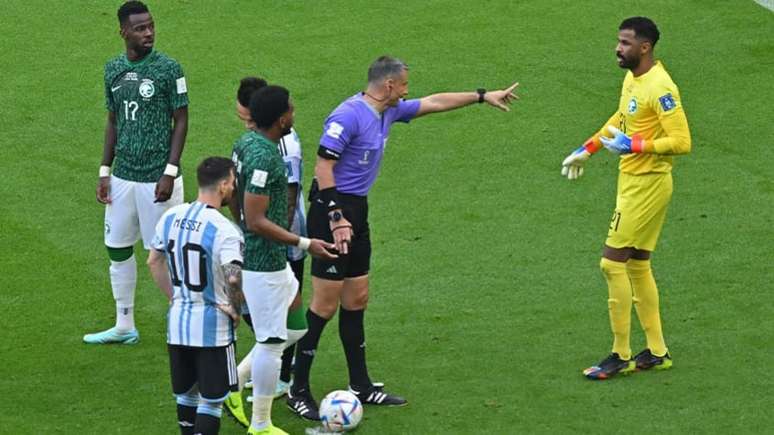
<point>358,133</point>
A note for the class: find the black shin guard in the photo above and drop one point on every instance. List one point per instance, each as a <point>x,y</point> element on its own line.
<point>287,361</point>
<point>207,424</point>
<point>305,351</point>
<point>352,336</point>
<point>186,419</point>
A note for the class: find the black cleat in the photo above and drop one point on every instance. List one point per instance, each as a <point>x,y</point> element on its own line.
<point>646,360</point>
<point>609,367</point>
<point>376,396</point>
<point>303,405</point>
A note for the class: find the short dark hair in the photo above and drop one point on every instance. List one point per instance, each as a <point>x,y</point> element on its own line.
<point>247,86</point>
<point>268,104</point>
<point>213,170</point>
<point>644,28</point>
<point>131,8</point>
<point>385,67</point>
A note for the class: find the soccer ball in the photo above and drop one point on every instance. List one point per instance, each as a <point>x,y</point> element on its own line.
<point>340,411</point>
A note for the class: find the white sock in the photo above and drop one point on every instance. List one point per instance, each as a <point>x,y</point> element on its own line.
<point>293,336</point>
<point>123,278</point>
<point>244,368</point>
<point>267,360</point>
<point>261,412</point>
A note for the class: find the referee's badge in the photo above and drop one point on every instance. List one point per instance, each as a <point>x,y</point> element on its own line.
<point>632,105</point>
<point>147,89</point>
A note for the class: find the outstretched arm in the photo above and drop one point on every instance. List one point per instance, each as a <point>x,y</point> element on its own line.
<point>257,222</point>
<point>454,100</point>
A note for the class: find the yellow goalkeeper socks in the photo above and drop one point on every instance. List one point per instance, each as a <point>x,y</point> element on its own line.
<point>646,304</point>
<point>619,304</point>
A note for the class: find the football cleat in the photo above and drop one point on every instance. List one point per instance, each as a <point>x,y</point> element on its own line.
<point>249,384</point>
<point>234,406</point>
<point>282,389</point>
<point>376,396</point>
<point>609,367</point>
<point>303,405</point>
<point>270,430</point>
<point>646,360</point>
<point>112,336</point>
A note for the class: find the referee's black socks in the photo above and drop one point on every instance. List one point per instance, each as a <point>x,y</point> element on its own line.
<point>305,352</point>
<point>352,334</point>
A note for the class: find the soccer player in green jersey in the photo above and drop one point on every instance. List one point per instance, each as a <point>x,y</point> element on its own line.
<point>145,94</point>
<point>267,279</point>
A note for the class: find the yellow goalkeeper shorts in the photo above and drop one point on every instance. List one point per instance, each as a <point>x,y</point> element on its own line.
<point>640,209</point>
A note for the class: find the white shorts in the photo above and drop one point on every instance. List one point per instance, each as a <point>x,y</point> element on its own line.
<point>269,295</point>
<point>132,212</point>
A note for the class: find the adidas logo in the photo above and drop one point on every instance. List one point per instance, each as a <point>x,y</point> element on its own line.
<point>332,269</point>
<point>308,352</point>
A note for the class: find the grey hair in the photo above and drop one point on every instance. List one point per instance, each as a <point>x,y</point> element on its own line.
<point>384,68</point>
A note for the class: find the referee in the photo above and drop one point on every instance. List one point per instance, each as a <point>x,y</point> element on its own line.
<point>348,160</point>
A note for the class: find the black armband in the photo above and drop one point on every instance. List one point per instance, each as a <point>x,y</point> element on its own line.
<point>328,153</point>
<point>330,198</point>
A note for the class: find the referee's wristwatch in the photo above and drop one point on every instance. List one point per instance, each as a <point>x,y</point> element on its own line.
<point>481,92</point>
<point>335,216</point>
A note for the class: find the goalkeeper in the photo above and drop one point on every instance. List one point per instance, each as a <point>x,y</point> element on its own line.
<point>648,129</point>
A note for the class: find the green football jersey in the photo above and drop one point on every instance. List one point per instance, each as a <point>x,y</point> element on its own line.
<point>143,95</point>
<point>261,170</point>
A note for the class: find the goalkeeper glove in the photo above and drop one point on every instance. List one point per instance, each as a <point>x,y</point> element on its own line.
<point>620,143</point>
<point>572,166</point>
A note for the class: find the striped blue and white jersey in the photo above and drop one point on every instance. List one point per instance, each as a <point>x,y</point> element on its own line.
<point>197,241</point>
<point>290,148</point>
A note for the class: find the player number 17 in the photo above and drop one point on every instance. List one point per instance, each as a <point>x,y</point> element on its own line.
<point>130,110</point>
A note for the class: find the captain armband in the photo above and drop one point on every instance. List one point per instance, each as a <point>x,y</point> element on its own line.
<point>328,153</point>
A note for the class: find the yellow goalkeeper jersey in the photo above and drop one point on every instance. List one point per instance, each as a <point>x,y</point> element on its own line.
<point>650,107</point>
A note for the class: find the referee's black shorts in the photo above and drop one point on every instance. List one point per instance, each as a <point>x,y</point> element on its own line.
<point>212,369</point>
<point>357,261</point>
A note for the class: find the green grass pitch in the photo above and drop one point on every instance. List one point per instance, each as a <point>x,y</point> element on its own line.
<point>486,297</point>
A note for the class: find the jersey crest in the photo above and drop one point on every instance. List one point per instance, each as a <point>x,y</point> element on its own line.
<point>146,88</point>
<point>632,105</point>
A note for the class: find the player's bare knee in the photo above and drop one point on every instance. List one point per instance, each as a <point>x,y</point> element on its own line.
<point>324,308</point>
<point>356,301</point>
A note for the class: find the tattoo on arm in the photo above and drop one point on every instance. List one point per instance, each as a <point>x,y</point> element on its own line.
<point>233,274</point>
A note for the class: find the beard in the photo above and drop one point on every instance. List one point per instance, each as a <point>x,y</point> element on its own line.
<point>628,62</point>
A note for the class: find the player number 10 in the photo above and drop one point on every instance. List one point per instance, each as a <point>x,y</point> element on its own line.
<point>194,266</point>
<point>130,110</point>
